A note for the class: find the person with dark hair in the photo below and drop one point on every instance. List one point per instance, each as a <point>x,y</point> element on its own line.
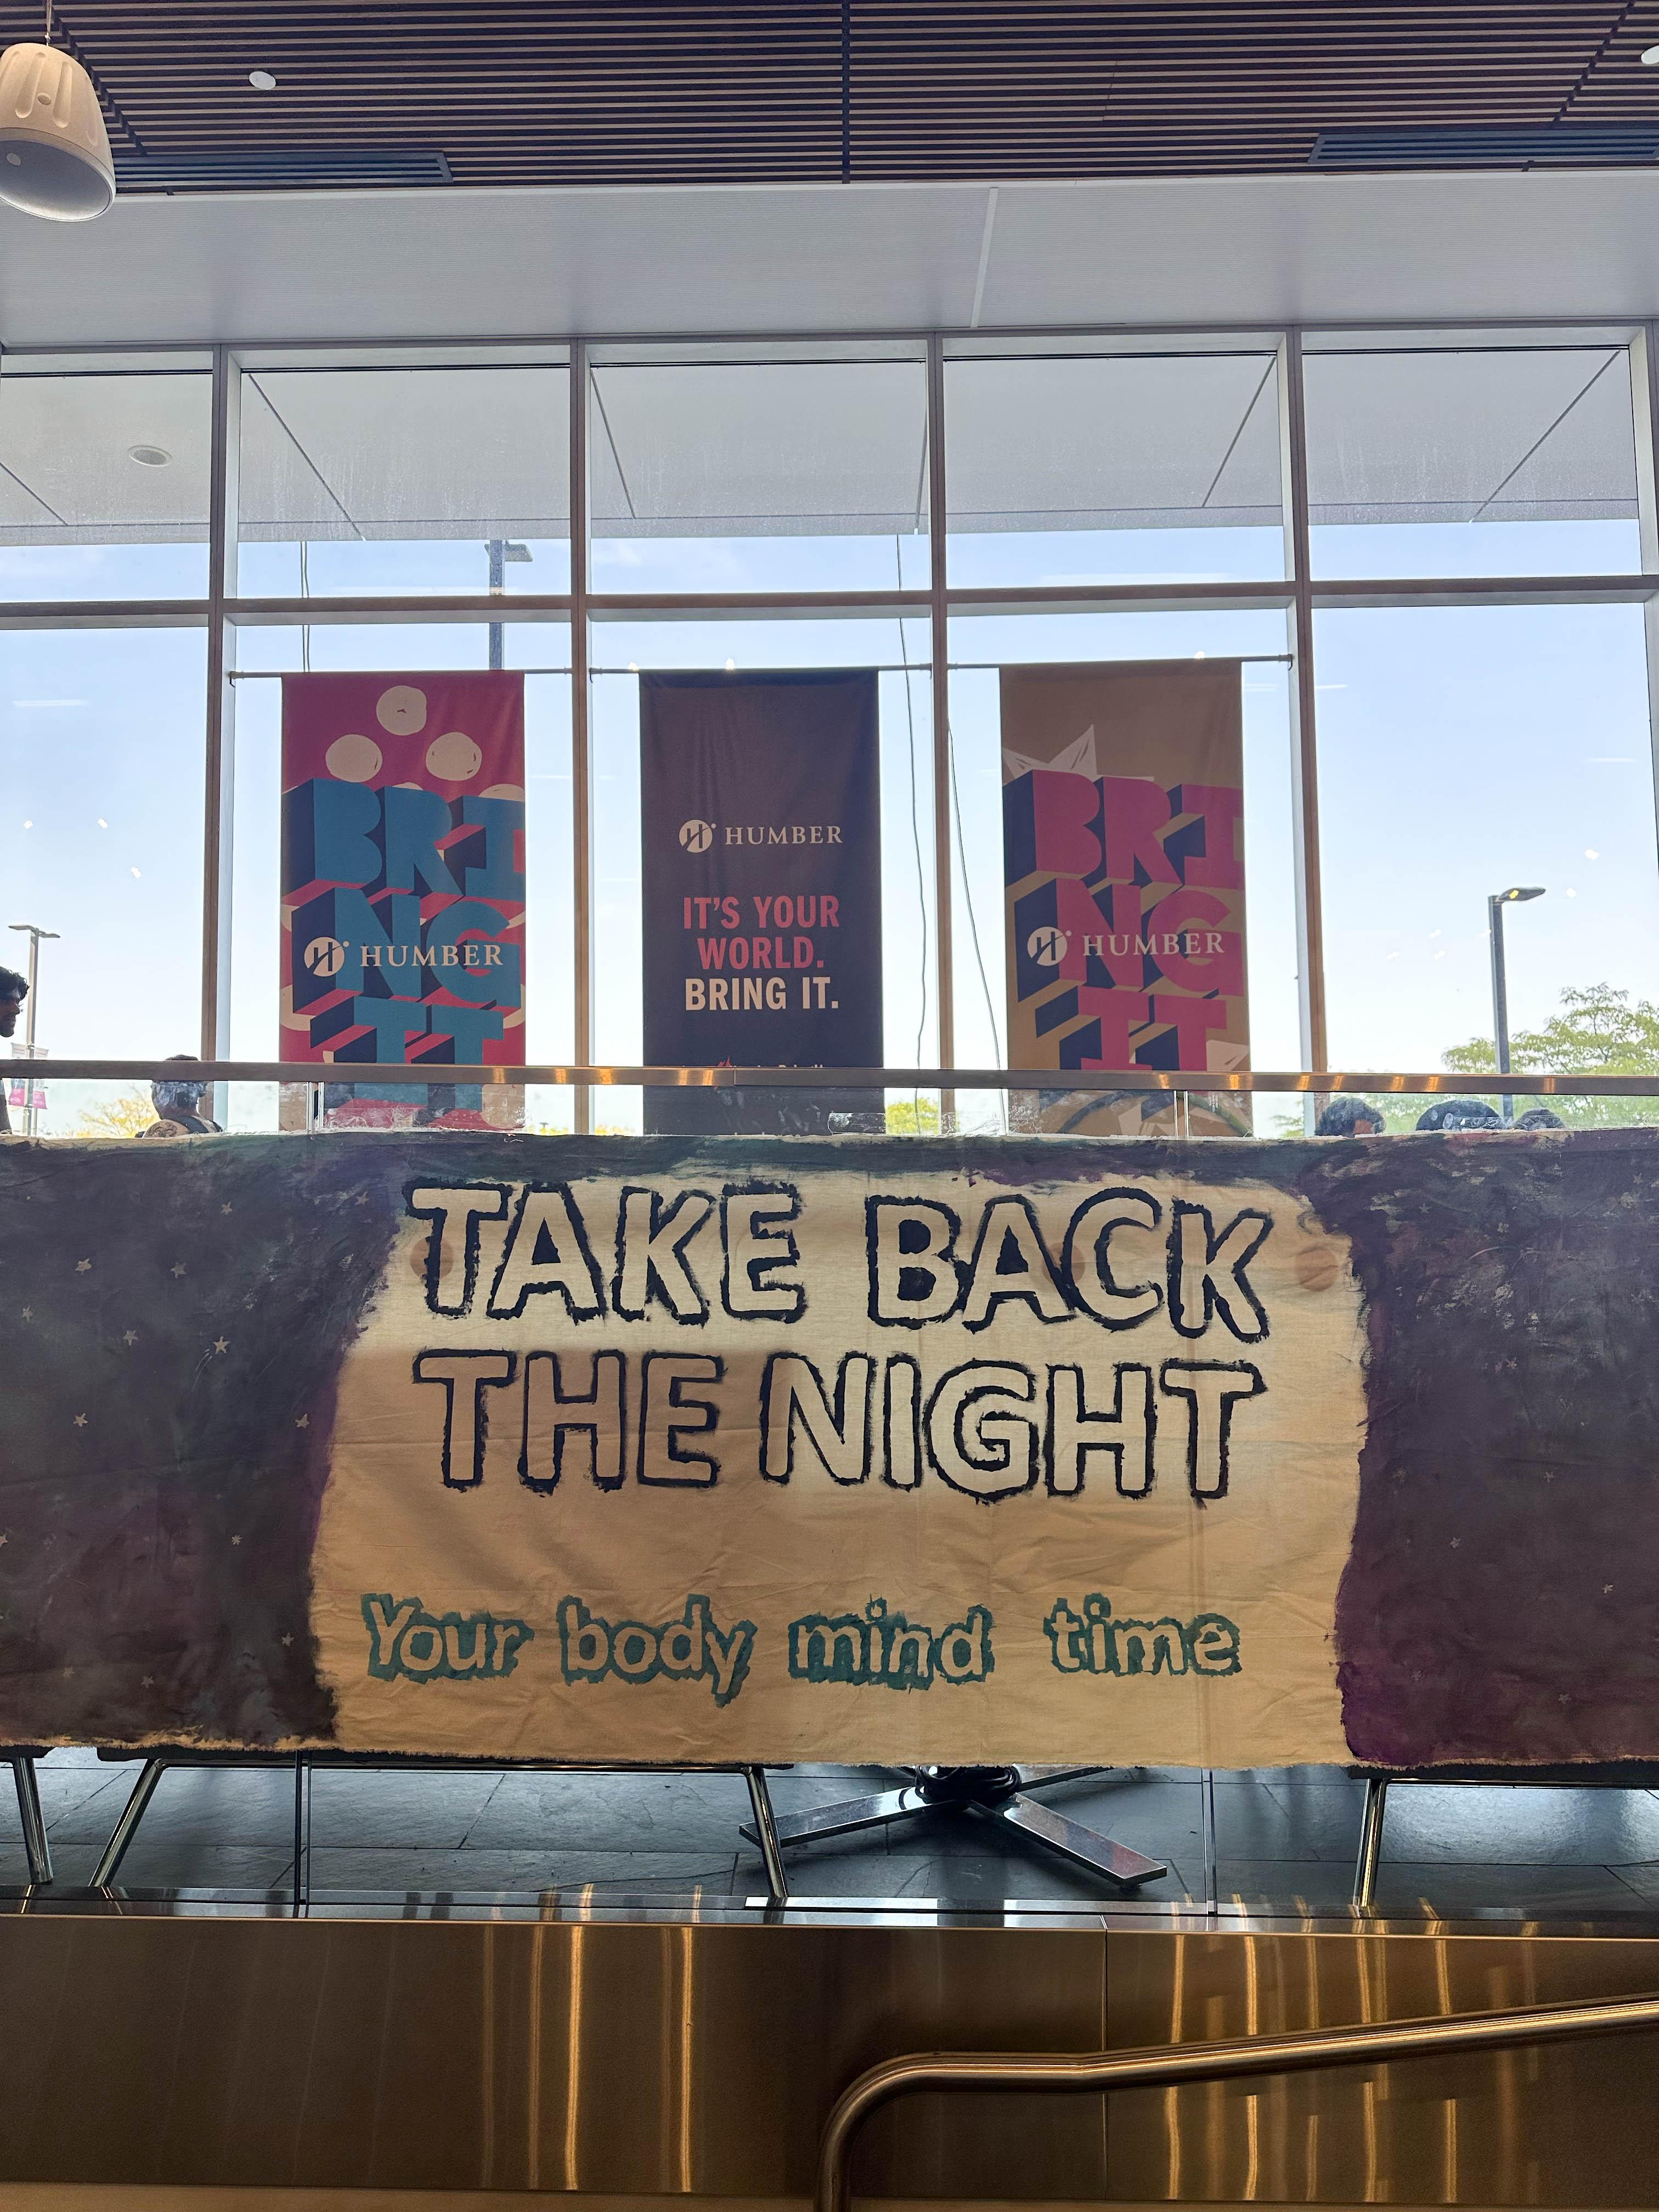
<point>1348,1116</point>
<point>178,1103</point>
<point>13,989</point>
<point>1539,1117</point>
<point>1460,1114</point>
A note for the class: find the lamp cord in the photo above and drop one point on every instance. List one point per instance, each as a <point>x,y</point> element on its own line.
<point>48,22</point>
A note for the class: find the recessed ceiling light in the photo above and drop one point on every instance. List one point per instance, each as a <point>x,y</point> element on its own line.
<point>1650,58</point>
<point>262,80</point>
<point>149,457</point>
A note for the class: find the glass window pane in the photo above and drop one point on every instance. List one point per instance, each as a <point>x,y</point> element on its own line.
<point>776,474</point>
<point>101,764</point>
<point>543,649</point>
<point>1498,462</point>
<point>1463,751</point>
<point>104,481</point>
<point>899,651</point>
<point>403,479</point>
<point>1120,467</point>
<point>979,646</point>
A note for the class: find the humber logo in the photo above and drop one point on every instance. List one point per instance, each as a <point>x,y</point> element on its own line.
<point>1047,946</point>
<point>326,955</point>
<point>695,835</point>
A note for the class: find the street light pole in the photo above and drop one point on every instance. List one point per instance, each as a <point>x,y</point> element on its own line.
<point>35,933</point>
<point>1500,991</point>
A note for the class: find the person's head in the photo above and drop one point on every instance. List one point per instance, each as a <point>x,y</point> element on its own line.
<point>1349,1117</point>
<point>180,1096</point>
<point>13,989</point>
<point>1539,1117</point>
<point>1460,1114</point>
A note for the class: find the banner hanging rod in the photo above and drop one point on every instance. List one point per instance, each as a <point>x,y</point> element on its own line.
<point>868,667</point>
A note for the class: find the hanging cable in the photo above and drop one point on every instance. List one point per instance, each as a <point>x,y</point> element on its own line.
<point>973,918</point>
<point>304,594</point>
<point>915,829</point>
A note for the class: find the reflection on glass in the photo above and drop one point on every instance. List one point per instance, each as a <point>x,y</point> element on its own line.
<point>1462,750</point>
<point>103,483</point>
<point>101,839</point>
<point>443,479</point>
<point>1118,468</point>
<point>736,474</point>
<point>1502,462</point>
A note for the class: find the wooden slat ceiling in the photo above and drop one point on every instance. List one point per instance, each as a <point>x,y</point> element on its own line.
<point>611,92</point>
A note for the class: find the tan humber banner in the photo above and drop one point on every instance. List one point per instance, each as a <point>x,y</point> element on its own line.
<point>1123,806</point>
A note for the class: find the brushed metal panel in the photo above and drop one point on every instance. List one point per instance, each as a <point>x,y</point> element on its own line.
<point>1549,2126</point>
<point>484,2055</point>
<point>644,2058</point>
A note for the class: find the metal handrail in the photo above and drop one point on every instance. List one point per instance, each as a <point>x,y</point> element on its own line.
<point>1321,1083</point>
<point>1200,2062</point>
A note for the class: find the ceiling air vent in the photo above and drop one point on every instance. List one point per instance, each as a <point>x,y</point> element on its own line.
<point>1490,146</point>
<point>277,169</point>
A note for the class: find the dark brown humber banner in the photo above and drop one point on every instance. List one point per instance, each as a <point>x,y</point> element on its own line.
<point>699,1449</point>
<point>760,829</point>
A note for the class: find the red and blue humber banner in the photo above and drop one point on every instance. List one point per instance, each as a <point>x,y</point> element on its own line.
<point>1123,829</point>
<point>402,882</point>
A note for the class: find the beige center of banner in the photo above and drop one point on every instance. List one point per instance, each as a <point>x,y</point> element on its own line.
<point>829,1467</point>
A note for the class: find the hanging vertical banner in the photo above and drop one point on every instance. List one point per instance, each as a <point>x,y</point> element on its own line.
<point>761,846</point>
<point>1123,845</point>
<point>402,888</point>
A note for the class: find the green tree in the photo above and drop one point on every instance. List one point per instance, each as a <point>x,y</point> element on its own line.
<point>1595,1031</point>
<point>912,1117</point>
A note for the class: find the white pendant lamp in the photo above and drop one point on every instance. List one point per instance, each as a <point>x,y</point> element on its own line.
<point>54,149</point>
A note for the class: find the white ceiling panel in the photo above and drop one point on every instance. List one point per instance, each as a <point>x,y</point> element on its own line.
<point>66,449</point>
<point>404,452</point>
<point>455,264</point>
<point>749,449</point>
<point>1111,441</point>
<point>1430,437</point>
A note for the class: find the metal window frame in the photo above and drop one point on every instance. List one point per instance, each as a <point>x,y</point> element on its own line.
<point>1297,593</point>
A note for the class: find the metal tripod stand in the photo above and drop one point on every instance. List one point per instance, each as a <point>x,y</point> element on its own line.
<point>987,1793</point>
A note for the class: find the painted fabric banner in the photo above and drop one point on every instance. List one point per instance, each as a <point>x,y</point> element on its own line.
<point>686,1449</point>
<point>402,887</point>
<point>1123,841</point>
<point>760,807</point>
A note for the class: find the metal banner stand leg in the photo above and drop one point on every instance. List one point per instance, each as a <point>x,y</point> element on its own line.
<point>28,1812</point>
<point>765,1833</point>
<point>302,1834</point>
<point>996,1792</point>
<point>127,1826</point>
<point>1370,1843</point>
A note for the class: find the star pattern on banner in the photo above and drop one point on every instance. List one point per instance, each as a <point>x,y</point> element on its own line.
<point>214,1459</point>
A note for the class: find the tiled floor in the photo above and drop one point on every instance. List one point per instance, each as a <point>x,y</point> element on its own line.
<point>1285,1838</point>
